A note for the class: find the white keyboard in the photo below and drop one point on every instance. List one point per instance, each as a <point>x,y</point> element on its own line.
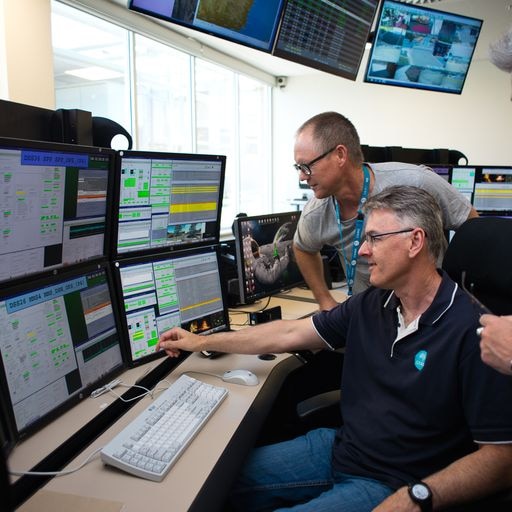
<point>150,445</point>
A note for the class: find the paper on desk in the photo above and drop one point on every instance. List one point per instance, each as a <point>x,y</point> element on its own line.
<point>50,501</point>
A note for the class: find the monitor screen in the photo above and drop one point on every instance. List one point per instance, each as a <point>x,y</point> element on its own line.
<point>493,190</point>
<point>326,35</point>
<point>179,289</point>
<point>58,340</point>
<point>264,254</point>
<point>442,170</point>
<point>249,22</point>
<point>463,179</point>
<point>53,205</point>
<point>422,48</point>
<point>167,201</point>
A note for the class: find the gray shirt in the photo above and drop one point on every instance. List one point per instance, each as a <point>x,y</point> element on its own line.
<point>318,226</point>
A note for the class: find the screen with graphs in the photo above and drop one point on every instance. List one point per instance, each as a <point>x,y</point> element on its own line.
<point>168,200</point>
<point>58,338</point>
<point>182,289</point>
<point>53,205</point>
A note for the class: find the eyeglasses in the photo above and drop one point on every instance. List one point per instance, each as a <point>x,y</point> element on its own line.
<point>371,238</point>
<point>306,168</point>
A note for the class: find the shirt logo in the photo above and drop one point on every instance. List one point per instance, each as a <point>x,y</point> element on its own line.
<point>419,360</point>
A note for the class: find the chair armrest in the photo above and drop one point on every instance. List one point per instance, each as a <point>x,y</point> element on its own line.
<point>318,403</point>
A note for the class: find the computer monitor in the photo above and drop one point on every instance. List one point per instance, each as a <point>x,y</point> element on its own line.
<point>326,35</point>
<point>180,289</point>
<point>264,255</point>
<point>420,47</point>
<point>58,340</point>
<point>493,190</point>
<point>167,201</point>
<point>252,23</point>
<point>462,177</point>
<point>54,209</point>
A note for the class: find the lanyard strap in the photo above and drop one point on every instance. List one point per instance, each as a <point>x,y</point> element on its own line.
<point>350,268</point>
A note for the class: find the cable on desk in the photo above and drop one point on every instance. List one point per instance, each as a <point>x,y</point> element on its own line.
<point>57,473</point>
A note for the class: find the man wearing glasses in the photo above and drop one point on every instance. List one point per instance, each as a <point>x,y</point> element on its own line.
<point>426,423</point>
<point>328,157</point>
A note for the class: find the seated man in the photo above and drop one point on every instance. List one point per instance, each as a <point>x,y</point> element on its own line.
<point>427,424</point>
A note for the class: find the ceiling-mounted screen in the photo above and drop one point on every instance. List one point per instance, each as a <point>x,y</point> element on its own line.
<point>252,23</point>
<point>422,48</point>
<point>326,35</point>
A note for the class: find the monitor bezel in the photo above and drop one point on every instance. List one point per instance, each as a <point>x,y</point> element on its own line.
<point>267,48</point>
<point>244,297</point>
<point>20,144</point>
<point>84,392</point>
<point>317,64</point>
<point>150,258</point>
<point>115,254</point>
<point>415,85</point>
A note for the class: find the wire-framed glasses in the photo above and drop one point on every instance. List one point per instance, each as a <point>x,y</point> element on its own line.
<point>370,238</point>
<point>306,168</point>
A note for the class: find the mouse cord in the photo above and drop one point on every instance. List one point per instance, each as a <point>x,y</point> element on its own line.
<point>203,373</point>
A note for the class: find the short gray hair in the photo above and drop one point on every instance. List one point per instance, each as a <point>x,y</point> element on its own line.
<point>330,129</point>
<point>416,208</point>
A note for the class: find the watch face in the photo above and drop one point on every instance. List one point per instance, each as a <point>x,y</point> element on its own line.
<point>420,491</point>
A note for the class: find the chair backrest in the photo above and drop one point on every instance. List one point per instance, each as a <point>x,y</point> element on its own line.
<point>482,248</point>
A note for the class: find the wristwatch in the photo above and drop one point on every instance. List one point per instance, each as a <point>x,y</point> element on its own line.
<point>421,494</point>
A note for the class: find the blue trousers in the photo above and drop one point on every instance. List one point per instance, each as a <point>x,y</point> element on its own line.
<point>297,475</point>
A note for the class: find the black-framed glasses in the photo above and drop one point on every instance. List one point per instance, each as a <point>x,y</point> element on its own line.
<point>370,238</point>
<point>306,168</point>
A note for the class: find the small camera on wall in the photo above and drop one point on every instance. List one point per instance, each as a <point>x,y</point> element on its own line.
<point>281,81</point>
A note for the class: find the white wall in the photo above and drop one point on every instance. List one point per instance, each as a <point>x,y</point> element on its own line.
<point>478,122</point>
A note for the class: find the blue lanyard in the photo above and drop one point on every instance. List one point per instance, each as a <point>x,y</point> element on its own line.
<point>350,269</point>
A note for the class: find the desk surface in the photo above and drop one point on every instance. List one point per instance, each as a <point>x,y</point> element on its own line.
<point>184,482</point>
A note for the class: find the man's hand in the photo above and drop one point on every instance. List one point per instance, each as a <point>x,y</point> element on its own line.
<point>177,339</point>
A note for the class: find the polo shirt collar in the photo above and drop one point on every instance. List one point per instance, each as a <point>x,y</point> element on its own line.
<point>440,305</point>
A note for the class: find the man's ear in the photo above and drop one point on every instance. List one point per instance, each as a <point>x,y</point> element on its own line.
<point>341,154</point>
<point>417,242</point>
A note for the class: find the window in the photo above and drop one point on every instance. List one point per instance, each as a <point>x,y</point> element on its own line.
<point>168,101</point>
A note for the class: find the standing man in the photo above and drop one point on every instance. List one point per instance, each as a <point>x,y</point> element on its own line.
<point>426,424</point>
<point>328,157</point>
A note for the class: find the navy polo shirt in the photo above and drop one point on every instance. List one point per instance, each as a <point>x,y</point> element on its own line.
<point>413,406</point>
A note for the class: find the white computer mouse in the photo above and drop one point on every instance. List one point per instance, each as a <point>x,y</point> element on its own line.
<point>244,377</point>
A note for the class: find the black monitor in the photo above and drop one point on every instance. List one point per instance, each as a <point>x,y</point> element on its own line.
<point>58,340</point>
<point>180,289</point>
<point>423,48</point>
<point>54,209</point>
<point>326,35</point>
<point>249,22</point>
<point>167,201</point>
<point>493,190</point>
<point>264,254</point>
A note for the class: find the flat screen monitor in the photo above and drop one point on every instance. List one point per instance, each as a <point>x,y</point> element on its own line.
<point>326,35</point>
<point>493,190</point>
<point>167,201</point>
<point>58,340</point>
<point>252,23</point>
<point>462,177</point>
<point>264,255</point>
<point>54,209</point>
<point>180,289</point>
<point>423,48</point>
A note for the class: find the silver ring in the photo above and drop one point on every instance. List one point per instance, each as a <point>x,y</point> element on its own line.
<point>479,331</point>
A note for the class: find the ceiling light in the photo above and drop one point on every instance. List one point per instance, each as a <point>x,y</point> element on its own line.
<point>94,73</point>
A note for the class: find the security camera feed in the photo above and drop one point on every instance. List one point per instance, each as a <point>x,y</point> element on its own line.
<point>265,259</point>
<point>53,205</point>
<point>252,23</point>
<point>422,48</point>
